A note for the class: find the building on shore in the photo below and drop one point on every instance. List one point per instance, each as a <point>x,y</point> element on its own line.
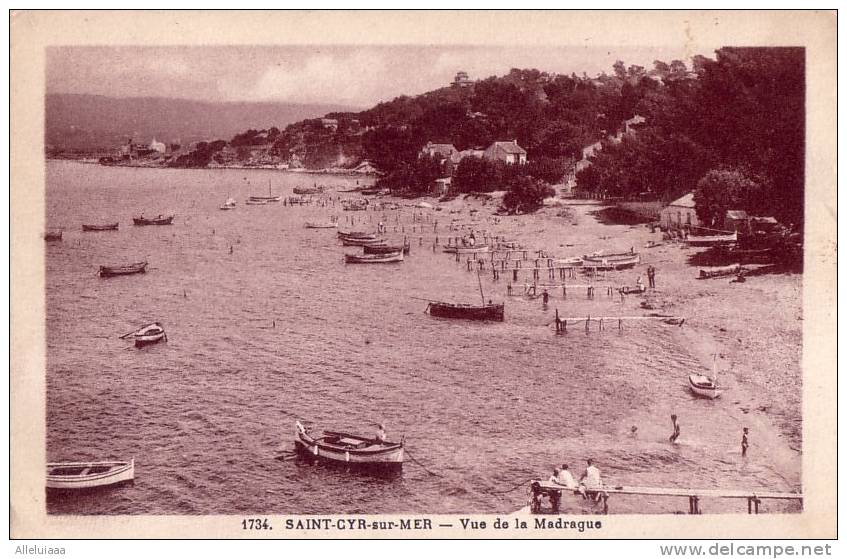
<point>509,152</point>
<point>680,213</point>
<point>461,79</point>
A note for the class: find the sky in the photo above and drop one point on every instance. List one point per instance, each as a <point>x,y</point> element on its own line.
<point>354,76</point>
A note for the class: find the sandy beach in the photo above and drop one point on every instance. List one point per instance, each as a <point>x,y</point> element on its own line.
<point>754,327</point>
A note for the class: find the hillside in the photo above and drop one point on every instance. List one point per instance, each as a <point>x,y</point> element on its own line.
<point>95,123</point>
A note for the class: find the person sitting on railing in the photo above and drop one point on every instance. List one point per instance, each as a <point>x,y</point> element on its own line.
<point>565,478</point>
<point>590,482</point>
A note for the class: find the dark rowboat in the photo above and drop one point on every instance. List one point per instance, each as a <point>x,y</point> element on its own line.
<point>374,258</point>
<point>386,249</point>
<point>468,312</point>
<point>103,227</point>
<point>53,236</point>
<point>151,334</point>
<point>134,268</point>
<point>352,242</point>
<point>161,220</point>
<point>88,475</point>
<point>630,289</point>
<point>307,190</point>
<point>356,235</point>
<point>349,450</point>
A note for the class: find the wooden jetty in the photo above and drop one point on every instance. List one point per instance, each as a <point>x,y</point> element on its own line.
<point>562,323</point>
<point>553,493</point>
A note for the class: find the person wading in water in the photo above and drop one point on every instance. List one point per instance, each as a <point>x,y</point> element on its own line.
<point>675,434</point>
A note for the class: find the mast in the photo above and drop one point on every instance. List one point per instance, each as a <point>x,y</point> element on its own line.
<point>480,288</point>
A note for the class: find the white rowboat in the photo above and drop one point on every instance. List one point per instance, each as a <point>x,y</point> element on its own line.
<point>86,475</point>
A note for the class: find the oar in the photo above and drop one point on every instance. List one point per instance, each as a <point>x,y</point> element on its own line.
<point>129,334</point>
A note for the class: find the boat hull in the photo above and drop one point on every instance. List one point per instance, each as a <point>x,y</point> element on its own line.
<point>703,387</point>
<point>712,240</point>
<point>370,456</point>
<point>74,476</point>
<point>141,341</point>
<point>374,258</point>
<point>611,263</point>
<point>493,313</point>
<point>112,271</point>
<point>155,221</point>
<point>352,242</point>
<point>106,227</point>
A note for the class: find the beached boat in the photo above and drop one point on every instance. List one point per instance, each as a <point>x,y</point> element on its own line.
<point>102,227</point>
<point>53,236</point>
<point>160,220</point>
<point>467,249</point>
<point>88,475</point>
<point>704,386</point>
<point>229,204</point>
<point>150,334</point>
<point>308,190</point>
<point>722,238</point>
<point>349,450</point>
<point>362,242</point>
<point>125,270</point>
<point>632,289</point>
<point>468,312</point>
<point>374,258</point>
<point>720,271</point>
<point>611,261</point>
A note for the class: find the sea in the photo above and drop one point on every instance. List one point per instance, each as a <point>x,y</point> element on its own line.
<point>267,325</point>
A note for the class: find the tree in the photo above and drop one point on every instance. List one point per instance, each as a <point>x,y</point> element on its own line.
<point>475,174</point>
<point>526,195</point>
<point>726,189</point>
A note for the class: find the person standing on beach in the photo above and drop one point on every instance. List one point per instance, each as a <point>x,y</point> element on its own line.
<point>675,434</point>
<point>744,443</point>
<point>651,276</point>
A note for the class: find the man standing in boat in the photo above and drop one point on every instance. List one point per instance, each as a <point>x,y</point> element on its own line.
<point>380,433</point>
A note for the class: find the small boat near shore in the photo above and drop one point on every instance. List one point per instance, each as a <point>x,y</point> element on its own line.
<point>255,202</point>
<point>349,450</point>
<point>53,236</point>
<point>386,249</point>
<point>228,205</point>
<point>704,386</point>
<point>720,238</point>
<point>352,242</point>
<point>321,224</point>
<point>388,258</point>
<point>492,312</point>
<point>611,261</point>
<point>146,335</point>
<point>125,270</point>
<point>632,289</point>
<point>101,227</point>
<point>308,190</point>
<point>356,235</point>
<point>88,475</point>
<point>467,249</point>
<point>160,220</point>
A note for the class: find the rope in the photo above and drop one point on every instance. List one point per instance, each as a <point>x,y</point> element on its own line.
<point>521,484</point>
<point>427,470</point>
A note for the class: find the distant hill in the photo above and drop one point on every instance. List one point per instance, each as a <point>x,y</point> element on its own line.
<point>95,122</point>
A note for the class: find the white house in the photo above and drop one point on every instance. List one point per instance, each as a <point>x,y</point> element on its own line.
<point>680,213</point>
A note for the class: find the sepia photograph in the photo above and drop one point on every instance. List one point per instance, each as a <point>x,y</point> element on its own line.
<point>416,285</point>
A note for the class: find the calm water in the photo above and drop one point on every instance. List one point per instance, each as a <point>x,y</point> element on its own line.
<point>280,329</point>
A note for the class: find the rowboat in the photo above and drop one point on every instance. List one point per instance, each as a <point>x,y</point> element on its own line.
<point>630,289</point>
<point>146,335</point>
<point>720,271</point>
<point>87,475</point>
<point>161,220</point>
<point>611,261</point>
<point>724,238</point>
<point>53,236</point>
<point>361,242</point>
<point>385,249</point>
<point>349,450</point>
<point>704,386</point>
<point>466,249</point>
<point>468,312</point>
<point>126,270</point>
<point>264,199</point>
<point>308,190</point>
<point>228,205</point>
<point>254,202</point>
<point>356,235</point>
<point>321,225</point>
<point>103,227</point>
<point>374,258</point>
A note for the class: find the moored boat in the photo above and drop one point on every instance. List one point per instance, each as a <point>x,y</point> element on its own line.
<point>101,227</point>
<point>265,199</point>
<point>356,235</point>
<point>611,261</point>
<point>374,258</point>
<point>630,289</point>
<point>493,312</point>
<point>704,386</point>
<point>125,270</point>
<point>349,450</point>
<point>149,334</point>
<point>87,475</point>
<point>362,242</point>
<point>53,236</point>
<point>718,239</point>
<point>467,249</point>
<point>308,190</point>
<point>255,202</point>
<point>385,249</point>
<point>229,204</point>
<point>321,224</point>
<point>160,220</point>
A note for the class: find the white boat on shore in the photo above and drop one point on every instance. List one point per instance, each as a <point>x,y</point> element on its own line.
<point>721,238</point>
<point>704,386</point>
<point>87,475</point>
